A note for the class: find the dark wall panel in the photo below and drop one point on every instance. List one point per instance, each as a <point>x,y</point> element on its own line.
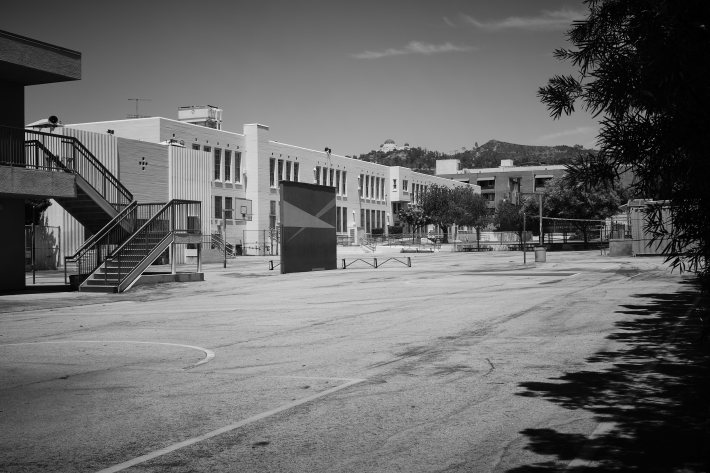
<point>308,238</point>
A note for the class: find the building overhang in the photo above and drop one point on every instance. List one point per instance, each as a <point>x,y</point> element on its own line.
<point>21,183</point>
<point>26,61</point>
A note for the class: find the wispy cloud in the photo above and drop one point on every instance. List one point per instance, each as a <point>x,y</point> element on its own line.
<point>415,47</point>
<point>449,22</point>
<point>580,131</point>
<point>545,21</point>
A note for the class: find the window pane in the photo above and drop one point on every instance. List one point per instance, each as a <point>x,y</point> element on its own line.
<point>217,163</point>
<point>295,171</point>
<point>218,206</point>
<point>228,206</point>
<point>227,165</point>
<point>237,166</point>
<point>281,170</point>
<point>272,165</point>
<point>196,146</point>
<point>345,174</point>
<point>288,170</point>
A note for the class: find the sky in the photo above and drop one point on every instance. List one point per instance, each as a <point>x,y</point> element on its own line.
<point>442,75</point>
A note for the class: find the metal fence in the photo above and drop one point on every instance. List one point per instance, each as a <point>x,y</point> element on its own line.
<point>42,247</point>
<point>261,242</point>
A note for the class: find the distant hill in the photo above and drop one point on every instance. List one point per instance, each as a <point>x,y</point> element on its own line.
<point>488,155</point>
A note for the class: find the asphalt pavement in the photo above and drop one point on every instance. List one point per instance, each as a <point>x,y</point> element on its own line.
<point>461,362</point>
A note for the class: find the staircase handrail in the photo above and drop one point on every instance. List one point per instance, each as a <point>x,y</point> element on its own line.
<point>170,209</point>
<point>122,190</point>
<point>123,195</point>
<point>101,233</point>
<point>52,157</point>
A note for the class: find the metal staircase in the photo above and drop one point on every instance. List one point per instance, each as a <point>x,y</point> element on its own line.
<point>178,221</point>
<point>99,194</point>
<point>127,236</point>
<point>103,243</point>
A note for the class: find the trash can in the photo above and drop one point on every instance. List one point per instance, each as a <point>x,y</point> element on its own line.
<point>540,254</point>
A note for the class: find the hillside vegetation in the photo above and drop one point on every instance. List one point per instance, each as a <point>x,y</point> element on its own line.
<point>488,155</point>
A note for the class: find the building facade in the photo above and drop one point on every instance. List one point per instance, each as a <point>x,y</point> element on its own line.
<point>506,182</point>
<point>237,175</point>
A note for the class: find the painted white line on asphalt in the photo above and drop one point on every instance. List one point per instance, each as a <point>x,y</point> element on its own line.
<point>225,429</point>
<point>209,354</point>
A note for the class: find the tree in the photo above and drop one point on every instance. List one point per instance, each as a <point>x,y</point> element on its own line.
<point>414,216</point>
<point>564,199</point>
<point>508,216</point>
<point>642,69</point>
<point>459,206</point>
<point>436,203</point>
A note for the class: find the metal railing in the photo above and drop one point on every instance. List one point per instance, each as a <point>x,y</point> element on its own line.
<point>175,217</point>
<point>50,152</point>
<point>96,249</point>
<point>216,241</point>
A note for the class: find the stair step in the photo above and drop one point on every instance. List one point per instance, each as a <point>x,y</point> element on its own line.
<point>107,289</point>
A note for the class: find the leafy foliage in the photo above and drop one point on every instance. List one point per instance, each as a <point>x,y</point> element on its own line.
<point>564,199</point>
<point>642,69</point>
<point>414,216</point>
<point>444,206</point>
<point>488,155</point>
<point>508,216</point>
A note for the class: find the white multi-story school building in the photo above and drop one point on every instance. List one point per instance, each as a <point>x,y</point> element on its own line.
<point>236,176</point>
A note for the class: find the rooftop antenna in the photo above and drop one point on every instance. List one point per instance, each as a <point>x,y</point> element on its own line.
<point>137,115</point>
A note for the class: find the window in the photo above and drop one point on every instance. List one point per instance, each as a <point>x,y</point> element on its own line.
<point>394,184</point>
<point>217,163</point>
<point>237,166</point>
<point>332,178</point>
<point>382,188</point>
<point>227,165</point>
<point>218,206</point>
<point>541,182</point>
<point>207,148</point>
<point>196,146</point>
<point>288,170</point>
<point>337,182</point>
<point>362,218</point>
<point>317,174</point>
<point>367,221</point>
<point>360,184</point>
<point>367,187</point>
<point>295,171</point>
<point>338,218</point>
<point>272,166</point>
<point>344,192</point>
<point>228,209</point>
<point>344,220</point>
<point>281,170</point>
<point>405,185</point>
<point>272,214</point>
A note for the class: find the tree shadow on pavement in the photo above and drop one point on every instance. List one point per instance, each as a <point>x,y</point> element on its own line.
<point>651,397</point>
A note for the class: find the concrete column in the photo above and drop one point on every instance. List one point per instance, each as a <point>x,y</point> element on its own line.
<point>12,244</point>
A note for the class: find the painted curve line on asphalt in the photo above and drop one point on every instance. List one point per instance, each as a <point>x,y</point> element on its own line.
<point>209,354</point>
<point>225,429</point>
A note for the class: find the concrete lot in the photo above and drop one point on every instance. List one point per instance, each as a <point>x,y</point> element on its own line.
<point>463,362</point>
